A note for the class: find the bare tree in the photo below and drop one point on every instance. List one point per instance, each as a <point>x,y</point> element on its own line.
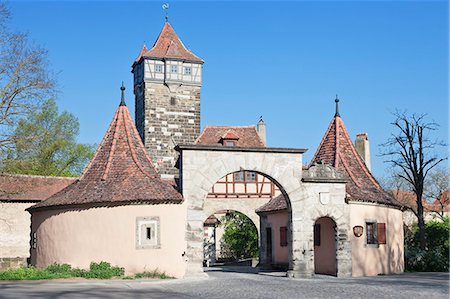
<point>437,187</point>
<point>410,151</point>
<point>24,76</point>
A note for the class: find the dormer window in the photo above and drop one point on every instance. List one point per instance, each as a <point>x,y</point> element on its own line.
<point>229,143</point>
<point>158,68</point>
<point>174,69</point>
<point>229,139</point>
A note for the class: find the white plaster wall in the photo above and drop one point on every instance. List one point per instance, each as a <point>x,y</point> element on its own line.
<point>79,237</point>
<point>14,230</point>
<point>369,260</point>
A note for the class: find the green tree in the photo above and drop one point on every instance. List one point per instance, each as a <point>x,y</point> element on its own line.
<point>240,238</point>
<point>44,143</point>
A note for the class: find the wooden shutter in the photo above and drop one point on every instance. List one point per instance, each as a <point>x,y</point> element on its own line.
<point>381,233</point>
<point>283,236</point>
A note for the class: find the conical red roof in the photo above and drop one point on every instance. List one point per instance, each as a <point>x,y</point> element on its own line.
<point>120,172</point>
<point>337,149</point>
<point>169,45</point>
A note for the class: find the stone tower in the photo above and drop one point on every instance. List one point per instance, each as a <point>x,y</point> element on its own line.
<point>167,83</point>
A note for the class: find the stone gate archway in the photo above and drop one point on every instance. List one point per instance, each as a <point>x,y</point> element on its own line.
<point>202,166</point>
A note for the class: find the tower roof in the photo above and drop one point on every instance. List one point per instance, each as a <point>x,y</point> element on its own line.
<point>120,172</point>
<point>169,46</point>
<point>337,150</point>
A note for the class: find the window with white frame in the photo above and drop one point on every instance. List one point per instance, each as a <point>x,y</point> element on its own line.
<point>158,68</point>
<point>174,68</point>
<point>147,232</point>
<point>188,71</point>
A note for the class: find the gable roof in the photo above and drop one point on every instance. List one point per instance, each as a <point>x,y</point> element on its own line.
<point>30,188</point>
<point>277,203</point>
<point>120,172</point>
<point>245,136</point>
<point>169,46</point>
<point>337,150</point>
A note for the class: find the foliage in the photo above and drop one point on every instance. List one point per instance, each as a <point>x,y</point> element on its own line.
<point>24,77</point>
<point>102,270</point>
<point>410,152</point>
<point>152,274</point>
<point>45,144</point>
<point>436,256</point>
<point>240,238</point>
<point>437,187</point>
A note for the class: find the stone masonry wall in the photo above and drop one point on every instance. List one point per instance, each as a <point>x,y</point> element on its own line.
<point>14,234</point>
<point>167,115</point>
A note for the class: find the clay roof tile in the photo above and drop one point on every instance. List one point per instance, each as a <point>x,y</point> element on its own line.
<point>120,172</point>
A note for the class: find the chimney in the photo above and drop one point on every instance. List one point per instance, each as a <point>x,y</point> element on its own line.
<point>363,148</point>
<point>261,129</point>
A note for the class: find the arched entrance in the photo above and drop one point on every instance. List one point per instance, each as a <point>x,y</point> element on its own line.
<point>230,237</point>
<point>244,191</point>
<point>325,261</point>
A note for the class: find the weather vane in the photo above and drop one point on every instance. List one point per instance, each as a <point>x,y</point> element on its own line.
<point>165,7</point>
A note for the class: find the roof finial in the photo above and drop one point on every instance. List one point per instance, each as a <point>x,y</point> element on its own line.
<point>165,7</point>
<point>337,106</point>
<point>122,102</point>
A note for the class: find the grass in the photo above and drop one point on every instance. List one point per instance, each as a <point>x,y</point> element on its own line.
<point>102,270</point>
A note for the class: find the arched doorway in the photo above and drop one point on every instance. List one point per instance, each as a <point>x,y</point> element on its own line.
<point>246,191</point>
<point>325,261</point>
<point>230,237</point>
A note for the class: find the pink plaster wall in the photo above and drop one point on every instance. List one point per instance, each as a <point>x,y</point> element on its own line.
<point>280,253</point>
<point>79,237</point>
<point>369,260</point>
<point>325,254</point>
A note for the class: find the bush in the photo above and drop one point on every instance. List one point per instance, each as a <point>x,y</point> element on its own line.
<point>102,270</point>
<point>152,274</point>
<point>436,256</point>
<point>240,238</point>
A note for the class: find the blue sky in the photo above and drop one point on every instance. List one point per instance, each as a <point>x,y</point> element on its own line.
<point>283,60</point>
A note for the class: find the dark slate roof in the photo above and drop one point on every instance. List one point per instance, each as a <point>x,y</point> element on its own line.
<point>277,203</point>
<point>169,46</point>
<point>337,150</point>
<point>16,187</point>
<point>211,221</point>
<point>120,172</point>
<point>244,136</point>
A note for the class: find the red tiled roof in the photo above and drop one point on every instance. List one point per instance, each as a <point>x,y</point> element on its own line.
<point>213,135</point>
<point>168,45</point>
<point>211,220</point>
<point>16,187</point>
<point>275,204</point>
<point>143,51</point>
<point>408,199</point>
<point>230,135</point>
<point>337,150</point>
<point>120,172</point>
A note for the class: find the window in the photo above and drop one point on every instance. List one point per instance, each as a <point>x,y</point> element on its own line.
<point>188,71</point>
<point>230,143</point>
<point>158,68</point>
<point>34,241</point>
<point>316,234</point>
<point>371,232</point>
<point>173,101</point>
<point>250,176</point>
<point>147,232</point>
<point>238,176</point>
<point>174,68</point>
<point>283,236</point>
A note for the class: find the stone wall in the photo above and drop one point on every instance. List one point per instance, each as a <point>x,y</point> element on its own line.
<point>14,234</point>
<point>167,115</point>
